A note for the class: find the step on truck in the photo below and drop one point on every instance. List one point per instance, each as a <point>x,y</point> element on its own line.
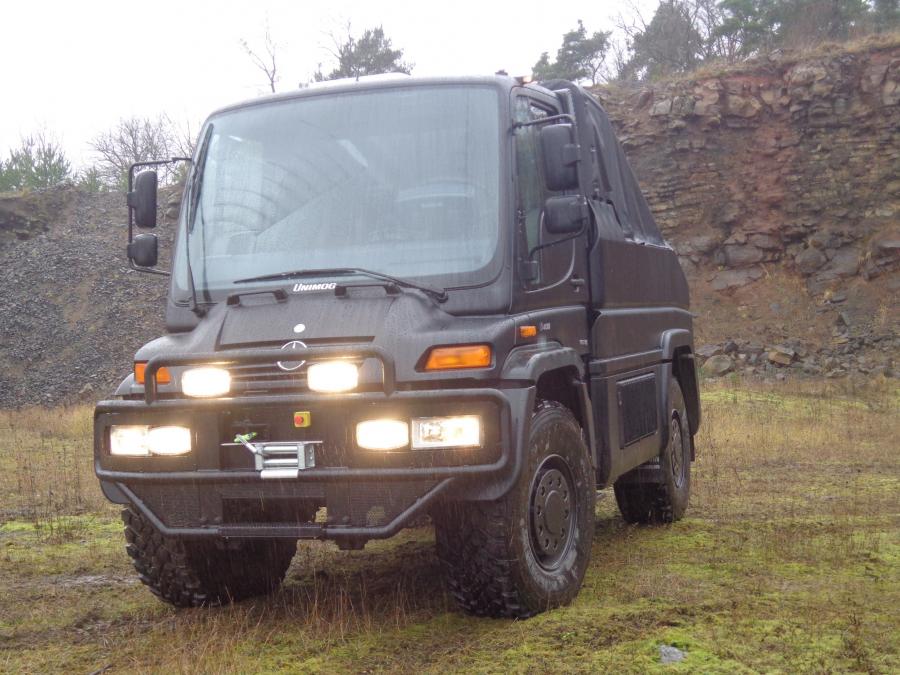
<point>394,298</point>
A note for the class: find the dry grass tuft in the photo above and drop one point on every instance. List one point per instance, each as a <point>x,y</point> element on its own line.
<point>46,472</point>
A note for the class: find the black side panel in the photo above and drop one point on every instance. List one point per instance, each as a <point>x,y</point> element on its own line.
<point>637,408</point>
<point>627,419</point>
<point>630,274</point>
<point>636,331</point>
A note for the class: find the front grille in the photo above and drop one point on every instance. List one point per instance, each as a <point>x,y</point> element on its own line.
<point>269,377</point>
<point>266,377</point>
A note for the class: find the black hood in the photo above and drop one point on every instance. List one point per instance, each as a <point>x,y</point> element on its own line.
<point>313,318</point>
<point>406,325</point>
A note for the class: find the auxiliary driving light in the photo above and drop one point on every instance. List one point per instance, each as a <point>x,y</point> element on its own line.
<point>136,440</point>
<point>446,432</point>
<point>332,377</point>
<point>205,382</point>
<point>129,440</point>
<point>169,440</point>
<point>382,434</point>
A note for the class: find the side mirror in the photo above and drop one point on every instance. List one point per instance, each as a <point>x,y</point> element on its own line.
<point>561,155</point>
<point>565,215</point>
<point>143,199</point>
<point>143,251</point>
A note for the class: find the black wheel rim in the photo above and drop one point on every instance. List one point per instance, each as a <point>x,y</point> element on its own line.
<point>552,512</point>
<point>676,454</point>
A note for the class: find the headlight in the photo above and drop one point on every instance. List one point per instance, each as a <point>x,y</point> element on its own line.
<point>206,382</point>
<point>129,440</point>
<point>169,440</point>
<point>382,434</point>
<point>332,377</point>
<point>446,432</point>
<point>133,440</point>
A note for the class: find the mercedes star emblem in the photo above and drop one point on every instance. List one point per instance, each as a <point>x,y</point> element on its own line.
<point>292,346</point>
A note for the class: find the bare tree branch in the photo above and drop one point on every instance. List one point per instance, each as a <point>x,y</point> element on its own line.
<point>265,62</point>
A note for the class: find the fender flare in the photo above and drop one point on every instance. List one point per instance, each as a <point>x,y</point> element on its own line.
<point>672,339</point>
<point>528,364</point>
<point>683,367</point>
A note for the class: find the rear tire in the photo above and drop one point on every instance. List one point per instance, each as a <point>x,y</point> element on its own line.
<point>194,573</point>
<point>528,551</point>
<point>667,500</point>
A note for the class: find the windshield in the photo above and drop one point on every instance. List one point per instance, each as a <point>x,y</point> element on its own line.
<point>401,181</point>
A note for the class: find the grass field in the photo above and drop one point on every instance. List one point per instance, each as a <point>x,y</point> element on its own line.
<point>788,561</point>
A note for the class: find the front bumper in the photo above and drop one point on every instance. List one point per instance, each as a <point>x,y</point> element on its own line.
<point>215,491</point>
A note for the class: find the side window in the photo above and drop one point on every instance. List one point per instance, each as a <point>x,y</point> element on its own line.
<point>531,190</point>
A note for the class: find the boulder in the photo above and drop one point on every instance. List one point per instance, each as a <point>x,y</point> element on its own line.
<point>731,279</point>
<point>669,654</point>
<point>844,263</point>
<point>703,243</point>
<point>707,351</point>
<point>781,355</point>
<point>737,255</point>
<point>809,260</point>
<point>661,108</point>
<point>743,106</point>
<point>717,365</point>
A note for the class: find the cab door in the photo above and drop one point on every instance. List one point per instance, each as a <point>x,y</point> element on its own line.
<point>551,268</point>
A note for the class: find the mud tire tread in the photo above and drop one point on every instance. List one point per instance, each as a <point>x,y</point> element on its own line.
<point>475,547</point>
<point>188,573</point>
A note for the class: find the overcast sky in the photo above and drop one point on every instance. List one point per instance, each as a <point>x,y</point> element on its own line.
<point>74,68</point>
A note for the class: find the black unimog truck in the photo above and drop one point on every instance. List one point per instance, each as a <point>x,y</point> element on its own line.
<point>401,297</point>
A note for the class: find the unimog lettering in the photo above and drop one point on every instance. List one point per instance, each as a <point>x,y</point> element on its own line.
<point>506,333</point>
<point>301,288</point>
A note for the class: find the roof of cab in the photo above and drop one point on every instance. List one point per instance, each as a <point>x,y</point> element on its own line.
<point>372,82</point>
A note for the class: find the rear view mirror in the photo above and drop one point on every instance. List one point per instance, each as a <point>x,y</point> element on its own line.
<point>143,199</point>
<point>143,251</point>
<point>565,215</point>
<point>560,157</point>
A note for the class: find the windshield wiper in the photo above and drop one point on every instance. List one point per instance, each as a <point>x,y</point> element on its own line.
<point>193,206</point>
<point>438,294</point>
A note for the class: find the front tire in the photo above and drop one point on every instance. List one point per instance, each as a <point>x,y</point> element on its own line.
<point>192,573</point>
<point>665,500</point>
<point>528,551</point>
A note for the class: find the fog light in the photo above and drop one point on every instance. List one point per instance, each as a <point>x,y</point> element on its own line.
<point>446,432</point>
<point>129,440</point>
<point>332,377</point>
<point>382,434</point>
<point>205,382</point>
<point>169,440</point>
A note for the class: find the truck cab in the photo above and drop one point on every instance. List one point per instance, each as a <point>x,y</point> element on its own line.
<point>398,298</point>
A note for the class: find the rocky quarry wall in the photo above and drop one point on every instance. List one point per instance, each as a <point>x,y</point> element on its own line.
<point>778,183</point>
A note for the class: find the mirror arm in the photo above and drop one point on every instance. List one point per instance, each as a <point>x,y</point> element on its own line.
<point>148,270</point>
<point>570,237</point>
<point>545,120</point>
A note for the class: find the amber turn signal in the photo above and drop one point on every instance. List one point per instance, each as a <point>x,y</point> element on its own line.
<point>527,331</point>
<point>457,357</point>
<point>162,375</point>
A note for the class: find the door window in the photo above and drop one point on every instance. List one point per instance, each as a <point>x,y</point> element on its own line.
<point>531,190</point>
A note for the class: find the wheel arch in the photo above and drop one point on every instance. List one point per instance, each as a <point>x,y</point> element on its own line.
<point>558,374</point>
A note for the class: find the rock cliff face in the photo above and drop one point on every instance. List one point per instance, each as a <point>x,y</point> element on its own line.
<point>778,183</point>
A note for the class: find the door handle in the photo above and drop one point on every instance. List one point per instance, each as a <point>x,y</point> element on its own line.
<point>577,283</point>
